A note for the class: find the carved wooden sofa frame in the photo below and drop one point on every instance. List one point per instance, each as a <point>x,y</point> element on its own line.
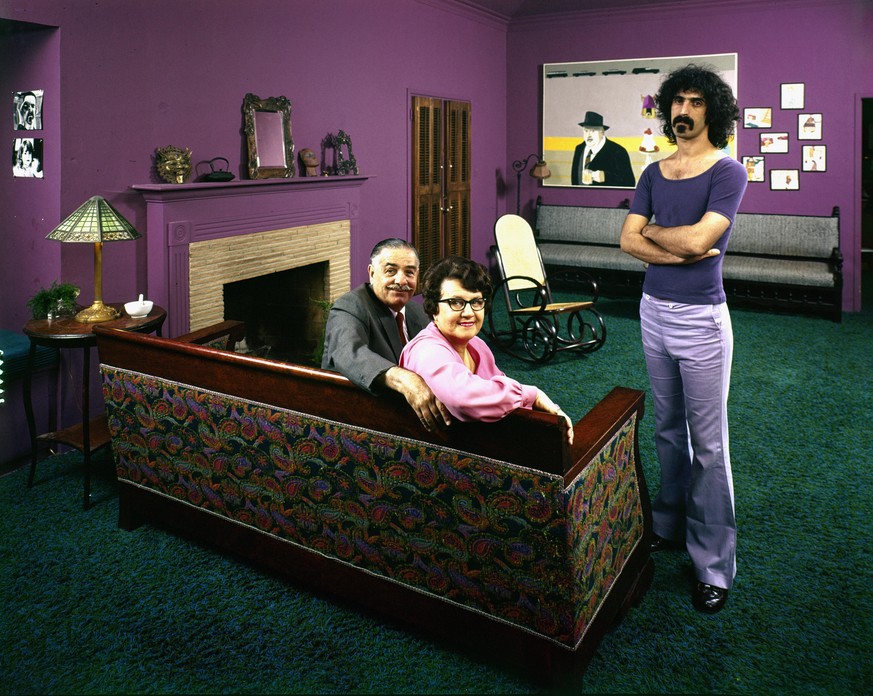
<point>497,537</point>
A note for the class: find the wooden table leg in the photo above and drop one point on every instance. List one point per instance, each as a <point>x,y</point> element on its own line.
<point>28,410</point>
<point>86,425</point>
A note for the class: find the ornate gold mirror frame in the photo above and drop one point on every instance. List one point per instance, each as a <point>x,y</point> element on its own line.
<point>268,136</point>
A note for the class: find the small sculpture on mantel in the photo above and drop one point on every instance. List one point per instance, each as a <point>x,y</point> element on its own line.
<point>310,161</point>
<point>173,164</point>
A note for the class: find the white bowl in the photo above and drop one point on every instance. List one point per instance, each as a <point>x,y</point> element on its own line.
<point>138,309</point>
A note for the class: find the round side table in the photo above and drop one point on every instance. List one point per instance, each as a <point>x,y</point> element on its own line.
<point>92,433</point>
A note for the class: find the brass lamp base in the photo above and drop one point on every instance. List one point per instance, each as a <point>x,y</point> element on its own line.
<point>96,313</point>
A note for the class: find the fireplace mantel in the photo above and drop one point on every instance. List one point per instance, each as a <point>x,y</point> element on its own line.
<point>180,214</point>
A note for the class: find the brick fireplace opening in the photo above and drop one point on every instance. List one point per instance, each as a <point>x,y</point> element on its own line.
<point>283,312</point>
<point>276,282</point>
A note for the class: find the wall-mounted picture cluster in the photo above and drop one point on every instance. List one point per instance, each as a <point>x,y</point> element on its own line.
<point>27,153</point>
<point>813,158</point>
<point>600,122</point>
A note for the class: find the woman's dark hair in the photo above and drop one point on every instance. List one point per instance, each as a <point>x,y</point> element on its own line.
<point>721,104</point>
<point>472,275</point>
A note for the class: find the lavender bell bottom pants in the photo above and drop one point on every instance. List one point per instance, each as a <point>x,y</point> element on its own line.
<point>688,351</point>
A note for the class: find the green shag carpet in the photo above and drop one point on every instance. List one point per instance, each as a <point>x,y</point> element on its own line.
<point>88,608</point>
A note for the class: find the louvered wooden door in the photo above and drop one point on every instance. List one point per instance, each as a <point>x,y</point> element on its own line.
<point>440,178</point>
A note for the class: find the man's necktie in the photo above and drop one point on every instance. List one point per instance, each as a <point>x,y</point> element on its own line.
<point>399,319</point>
<point>587,159</point>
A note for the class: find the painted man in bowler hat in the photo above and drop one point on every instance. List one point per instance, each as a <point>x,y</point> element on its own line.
<point>599,161</point>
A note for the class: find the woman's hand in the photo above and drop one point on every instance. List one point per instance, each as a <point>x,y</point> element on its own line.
<point>544,403</point>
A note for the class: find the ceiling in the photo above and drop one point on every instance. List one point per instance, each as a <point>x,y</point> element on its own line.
<point>512,9</point>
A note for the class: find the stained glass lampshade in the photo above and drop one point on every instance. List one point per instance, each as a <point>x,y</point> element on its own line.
<point>95,222</point>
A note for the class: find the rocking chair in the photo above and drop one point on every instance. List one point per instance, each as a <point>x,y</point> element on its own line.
<point>531,319</point>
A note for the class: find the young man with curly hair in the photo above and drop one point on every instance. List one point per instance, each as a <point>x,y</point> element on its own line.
<point>679,226</point>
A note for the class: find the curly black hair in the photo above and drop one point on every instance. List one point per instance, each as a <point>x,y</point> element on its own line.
<point>472,275</point>
<point>722,112</point>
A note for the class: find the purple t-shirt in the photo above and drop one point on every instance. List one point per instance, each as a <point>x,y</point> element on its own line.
<point>675,202</point>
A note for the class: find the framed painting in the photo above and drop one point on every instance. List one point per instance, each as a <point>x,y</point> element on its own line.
<point>758,117</point>
<point>613,101</point>
<point>773,142</point>
<point>809,126</point>
<point>792,95</point>
<point>815,158</point>
<point>784,180</point>
<point>754,167</point>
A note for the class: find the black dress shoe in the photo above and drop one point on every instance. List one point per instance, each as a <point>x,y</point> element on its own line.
<point>708,598</point>
<point>659,543</point>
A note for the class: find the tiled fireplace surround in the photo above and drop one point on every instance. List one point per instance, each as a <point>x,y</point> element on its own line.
<point>203,235</point>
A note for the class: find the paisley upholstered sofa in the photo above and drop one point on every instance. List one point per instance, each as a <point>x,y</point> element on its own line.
<point>498,537</point>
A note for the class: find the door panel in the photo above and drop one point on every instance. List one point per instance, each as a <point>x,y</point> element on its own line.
<point>441,178</point>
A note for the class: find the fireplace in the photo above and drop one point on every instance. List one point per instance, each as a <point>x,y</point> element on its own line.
<point>203,237</point>
<point>276,282</point>
<point>283,312</point>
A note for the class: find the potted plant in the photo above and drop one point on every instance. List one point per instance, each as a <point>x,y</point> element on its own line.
<point>58,301</point>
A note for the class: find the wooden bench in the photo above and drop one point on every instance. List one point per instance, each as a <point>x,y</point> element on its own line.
<point>498,537</point>
<point>777,262</point>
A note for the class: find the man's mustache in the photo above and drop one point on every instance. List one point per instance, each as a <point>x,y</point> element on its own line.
<point>683,120</point>
<point>400,288</point>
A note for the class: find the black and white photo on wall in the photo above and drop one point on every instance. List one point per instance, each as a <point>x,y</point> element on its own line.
<point>27,110</point>
<point>600,120</point>
<point>27,158</point>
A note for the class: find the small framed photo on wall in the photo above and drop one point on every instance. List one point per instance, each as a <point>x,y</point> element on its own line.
<point>27,158</point>
<point>815,158</point>
<point>27,110</point>
<point>784,180</point>
<point>809,126</point>
<point>754,167</point>
<point>758,117</point>
<point>792,95</point>
<point>773,143</point>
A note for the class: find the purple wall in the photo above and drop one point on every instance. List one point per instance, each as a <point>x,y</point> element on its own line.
<point>122,79</point>
<point>139,75</point>
<point>130,77</point>
<point>826,45</point>
<point>28,206</point>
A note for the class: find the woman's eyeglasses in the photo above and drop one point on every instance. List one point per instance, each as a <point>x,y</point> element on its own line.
<point>477,304</point>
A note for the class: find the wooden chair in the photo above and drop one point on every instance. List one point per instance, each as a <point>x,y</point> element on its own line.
<point>531,319</point>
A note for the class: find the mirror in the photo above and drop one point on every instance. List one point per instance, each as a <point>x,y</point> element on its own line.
<point>268,136</point>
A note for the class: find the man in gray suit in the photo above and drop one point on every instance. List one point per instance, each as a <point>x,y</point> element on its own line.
<point>362,338</point>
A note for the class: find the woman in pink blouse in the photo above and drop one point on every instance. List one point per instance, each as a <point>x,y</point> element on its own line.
<point>457,365</point>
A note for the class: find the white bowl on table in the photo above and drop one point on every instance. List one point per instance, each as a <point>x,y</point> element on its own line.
<point>138,308</point>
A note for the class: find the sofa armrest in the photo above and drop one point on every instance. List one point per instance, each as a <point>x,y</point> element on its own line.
<point>224,335</point>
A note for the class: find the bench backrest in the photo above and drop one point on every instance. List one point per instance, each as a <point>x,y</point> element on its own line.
<point>527,438</point>
<point>807,236</point>
<point>588,224</point>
